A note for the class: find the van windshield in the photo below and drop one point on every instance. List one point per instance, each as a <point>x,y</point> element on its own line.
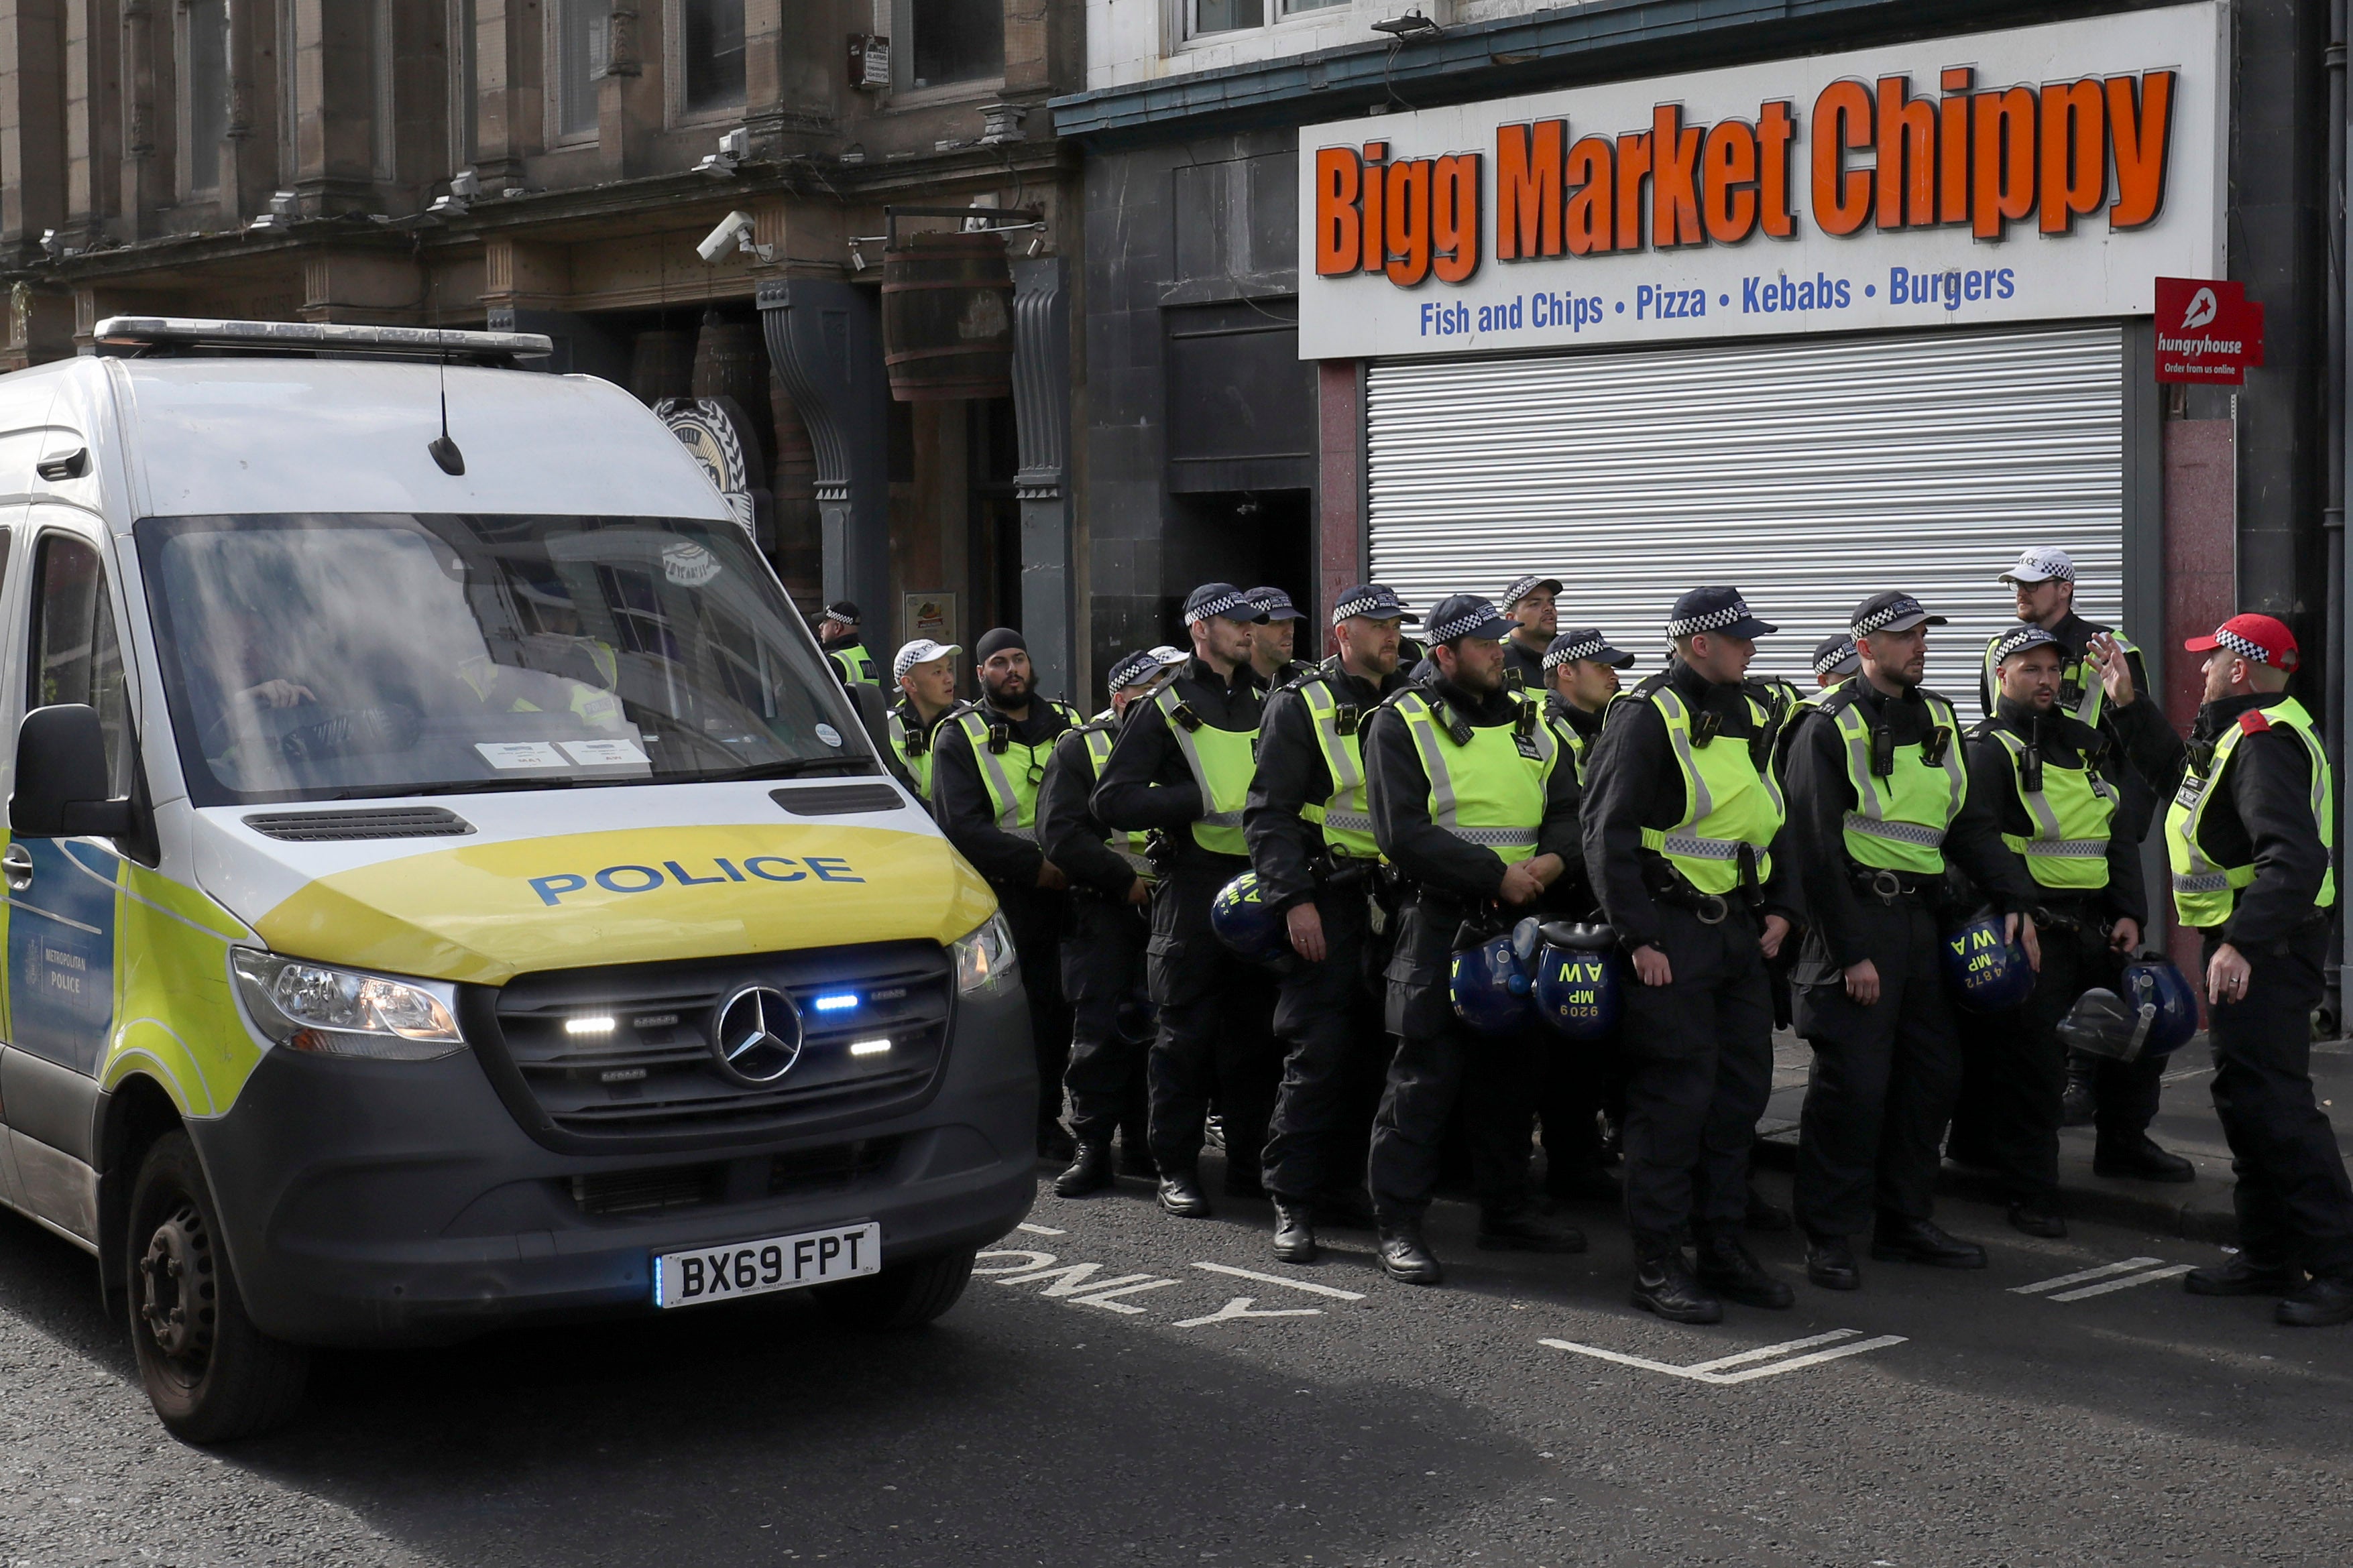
<point>311,657</point>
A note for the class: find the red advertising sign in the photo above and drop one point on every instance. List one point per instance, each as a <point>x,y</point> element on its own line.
<point>2207,331</point>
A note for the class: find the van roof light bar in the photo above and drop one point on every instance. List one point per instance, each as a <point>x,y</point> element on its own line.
<point>138,337</point>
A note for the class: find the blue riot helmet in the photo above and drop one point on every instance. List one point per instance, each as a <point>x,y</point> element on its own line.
<point>1578,990</point>
<point>1488,982</point>
<point>1244,921</point>
<point>2155,982</point>
<point>1989,975</point>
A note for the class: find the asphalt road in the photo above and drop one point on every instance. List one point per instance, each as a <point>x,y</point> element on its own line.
<point>1969,1422</point>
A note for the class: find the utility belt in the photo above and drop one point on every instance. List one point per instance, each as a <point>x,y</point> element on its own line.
<point>1337,871</point>
<point>1891,887</point>
<point>1670,886</point>
<point>2060,911</point>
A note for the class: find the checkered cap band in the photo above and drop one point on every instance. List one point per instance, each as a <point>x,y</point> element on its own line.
<point>1714,621</point>
<point>1592,647</point>
<point>1833,658</point>
<point>1885,614</point>
<point>1470,620</point>
<point>2022,638</point>
<point>1366,605</point>
<point>1225,605</point>
<point>2226,637</point>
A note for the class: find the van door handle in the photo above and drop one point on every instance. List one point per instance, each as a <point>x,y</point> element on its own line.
<point>16,866</point>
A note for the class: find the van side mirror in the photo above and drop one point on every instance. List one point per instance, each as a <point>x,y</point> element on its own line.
<point>61,777</point>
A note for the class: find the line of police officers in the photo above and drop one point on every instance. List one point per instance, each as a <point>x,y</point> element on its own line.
<point>1755,849</point>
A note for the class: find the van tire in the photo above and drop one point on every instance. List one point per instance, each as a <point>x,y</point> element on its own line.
<point>211,1375</point>
<point>902,1296</point>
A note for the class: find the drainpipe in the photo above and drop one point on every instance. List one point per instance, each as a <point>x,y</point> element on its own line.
<point>2332,517</point>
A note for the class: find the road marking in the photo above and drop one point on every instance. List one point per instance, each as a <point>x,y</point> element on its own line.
<point>1239,1307</point>
<point>1103,1298</point>
<point>1710,1372</point>
<point>1338,1295</point>
<point>1039,1229</point>
<point>2151,1277</point>
<point>2126,1266</point>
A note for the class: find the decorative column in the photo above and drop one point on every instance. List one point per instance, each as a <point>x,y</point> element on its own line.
<point>825,342</point>
<point>1041,413</point>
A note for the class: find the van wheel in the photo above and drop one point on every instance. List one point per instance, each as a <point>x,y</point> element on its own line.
<point>902,1296</point>
<point>209,1372</point>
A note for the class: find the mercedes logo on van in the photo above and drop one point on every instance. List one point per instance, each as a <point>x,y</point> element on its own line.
<point>755,1035</point>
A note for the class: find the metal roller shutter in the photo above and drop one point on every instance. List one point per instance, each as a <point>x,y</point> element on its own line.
<point>1810,473</point>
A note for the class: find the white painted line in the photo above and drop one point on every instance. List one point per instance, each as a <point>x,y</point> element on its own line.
<point>1103,1298</point>
<point>1039,1229</point>
<point>2151,1277</point>
<point>1239,1307</point>
<point>1707,1371</point>
<point>1335,1294</point>
<point>2126,1266</point>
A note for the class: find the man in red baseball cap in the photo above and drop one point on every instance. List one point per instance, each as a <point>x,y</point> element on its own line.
<point>2248,836</point>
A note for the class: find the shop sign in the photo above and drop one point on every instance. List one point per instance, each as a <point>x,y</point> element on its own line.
<point>719,437</point>
<point>2030,175</point>
<point>2207,331</point>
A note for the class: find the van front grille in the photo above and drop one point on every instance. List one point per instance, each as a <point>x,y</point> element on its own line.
<point>619,1057</point>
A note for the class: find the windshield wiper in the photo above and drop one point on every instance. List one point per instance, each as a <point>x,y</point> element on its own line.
<point>797,768</point>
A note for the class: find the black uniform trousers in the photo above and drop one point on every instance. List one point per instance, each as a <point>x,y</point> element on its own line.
<point>1328,1018</point>
<point>1438,1063</point>
<point>2015,1066</point>
<point>1215,1037</point>
<point>2295,1202</point>
<point>1699,1055</point>
<point>1103,974</point>
<point>1885,1078</point>
<point>1581,1080</point>
<point>1036,916</point>
<point>2123,1095</point>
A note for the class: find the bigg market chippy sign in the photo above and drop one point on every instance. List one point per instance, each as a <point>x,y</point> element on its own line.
<point>2033,174</point>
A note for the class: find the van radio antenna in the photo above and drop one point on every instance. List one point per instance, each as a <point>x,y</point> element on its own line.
<point>444,450</point>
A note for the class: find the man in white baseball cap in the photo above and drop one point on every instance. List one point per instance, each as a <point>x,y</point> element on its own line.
<point>924,673</point>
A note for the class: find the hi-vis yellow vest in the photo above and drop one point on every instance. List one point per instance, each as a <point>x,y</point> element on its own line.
<point>2068,849</point>
<point>2204,890</point>
<point>1899,818</point>
<point>1488,782</point>
<point>1347,824</point>
<point>1222,763</point>
<point>1011,768</point>
<point>1098,734</point>
<point>857,666</point>
<point>914,748</point>
<point>1729,800</point>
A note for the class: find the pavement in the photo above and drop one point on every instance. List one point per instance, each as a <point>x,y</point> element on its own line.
<point>2185,1125</point>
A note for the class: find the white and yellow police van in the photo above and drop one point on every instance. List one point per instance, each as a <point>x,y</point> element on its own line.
<point>445,884</point>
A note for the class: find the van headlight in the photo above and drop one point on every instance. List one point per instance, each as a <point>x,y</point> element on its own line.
<point>984,963</point>
<point>339,1012</point>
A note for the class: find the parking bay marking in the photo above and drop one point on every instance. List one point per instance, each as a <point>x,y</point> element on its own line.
<point>1715,1373</point>
<point>2138,1271</point>
<point>1242,1306</point>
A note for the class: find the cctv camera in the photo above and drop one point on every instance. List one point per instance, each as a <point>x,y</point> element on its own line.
<point>734,229</point>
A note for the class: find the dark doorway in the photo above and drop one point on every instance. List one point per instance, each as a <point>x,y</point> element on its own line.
<point>996,558</point>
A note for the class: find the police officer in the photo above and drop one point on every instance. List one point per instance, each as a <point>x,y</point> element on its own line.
<point>1529,604</point>
<point>1684,832</point>
<point>1581,681</point>
<point>1474,800</point>
<point>2054,785</point>
<point>1838,659</point>
<point>1879,802</point>
<point>1272,653</point>
<point>836,633</point>
<point>2248,836</point>
<point>2120,1097</point>
<point>924,672</point>
<point>1311,842</point>
<point>1181,770</point>
<point>1103,942</point>
<point>989,761</point>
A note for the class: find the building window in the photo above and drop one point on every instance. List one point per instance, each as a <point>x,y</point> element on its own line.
<point>953,41</point>
<point>582,45</point>
<point>1227,16</point>
<point>204,54</point>
<point>383,60</point>
<point>465,93</point>
<point>711,55</point>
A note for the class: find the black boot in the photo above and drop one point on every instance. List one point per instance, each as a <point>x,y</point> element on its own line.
<point>2037,1216</point>
<point>1405,1255</point>
<point>1900,1240</point>
<point>1181,1194</point>
<point>2141,1159</point>
<point>2244,1276</point>
<point>1728,1269</point>
<point>2327,1301</point>
<point>2081,1105</point>
<point>1663,1284</point>
<point>1524,1230</point>
<point>1829,1263</point>
<point>1090,1170</point>
<point>1295,1232</point>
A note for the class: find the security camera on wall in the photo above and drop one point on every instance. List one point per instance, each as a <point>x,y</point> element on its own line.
<point>735,230</point>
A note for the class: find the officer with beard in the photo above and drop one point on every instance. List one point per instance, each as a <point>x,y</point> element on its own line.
<point>1181,771</point>
<point>1103,945</point>
<point>1273,652</point>
<point>1310,840</point>
<point>989,762</point>
<point>1528,605</point>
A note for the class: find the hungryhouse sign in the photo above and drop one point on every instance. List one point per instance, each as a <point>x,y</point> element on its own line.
<point>2039,173</point>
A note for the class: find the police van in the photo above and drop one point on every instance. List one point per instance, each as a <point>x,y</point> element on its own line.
<point>446,886</point>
